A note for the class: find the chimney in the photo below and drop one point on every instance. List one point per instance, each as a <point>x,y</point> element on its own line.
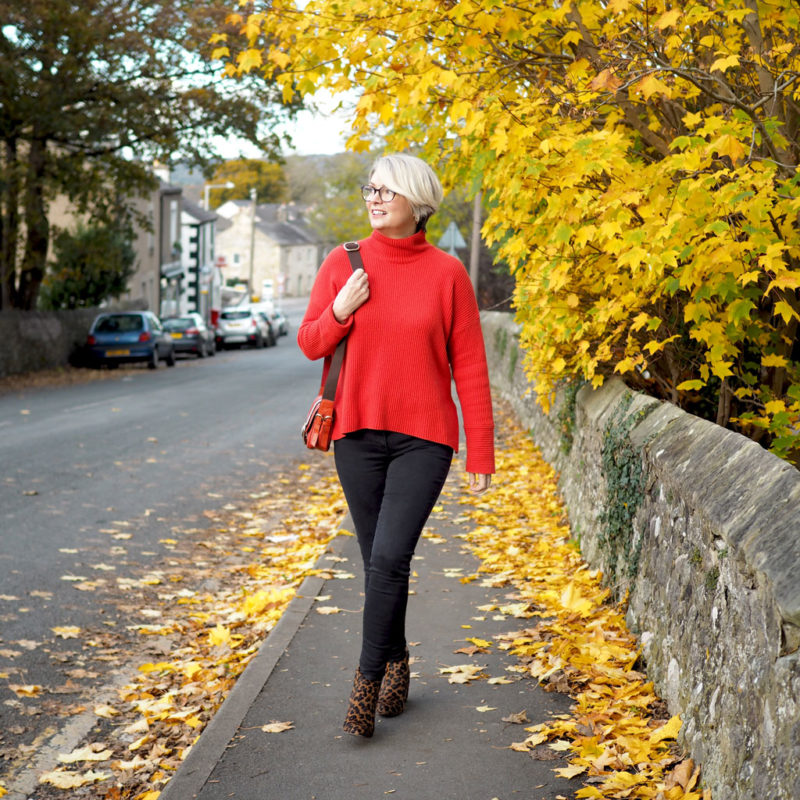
<point>161,171</point>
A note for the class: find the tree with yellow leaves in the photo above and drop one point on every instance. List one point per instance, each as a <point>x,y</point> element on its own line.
<point>639,160</point>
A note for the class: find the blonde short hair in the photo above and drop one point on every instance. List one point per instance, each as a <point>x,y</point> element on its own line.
<point>415,180</point>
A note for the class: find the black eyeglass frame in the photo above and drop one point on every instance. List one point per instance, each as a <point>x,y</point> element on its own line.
<point>368,193</point>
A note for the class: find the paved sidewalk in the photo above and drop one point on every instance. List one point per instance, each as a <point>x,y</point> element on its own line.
<point>441,747</point>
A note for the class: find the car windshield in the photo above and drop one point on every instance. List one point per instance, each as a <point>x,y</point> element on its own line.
<point>178,324</point>
<point>235,314</point>
<point>120,323</point>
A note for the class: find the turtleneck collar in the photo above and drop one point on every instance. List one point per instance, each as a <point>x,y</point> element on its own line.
<point>408,245</point>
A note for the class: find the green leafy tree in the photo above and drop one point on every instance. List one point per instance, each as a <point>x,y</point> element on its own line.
<point>92,264</point>
<point>246,174</point>
<point>93,92</point>
<point>338,213</point>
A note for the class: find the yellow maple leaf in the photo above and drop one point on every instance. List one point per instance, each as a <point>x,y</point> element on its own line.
<point>249,59</point>
<point>724,63</point>
<point>571,771</point>
<point>667,731</point>
<point>669,18</point>
<point>219,635</point>
<point>572,600</point>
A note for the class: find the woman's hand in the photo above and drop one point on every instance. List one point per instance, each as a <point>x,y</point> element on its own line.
<point>478,483</point>
<point>351,296</point>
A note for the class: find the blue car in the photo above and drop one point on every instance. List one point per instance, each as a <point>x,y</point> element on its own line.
<point>124,336</point>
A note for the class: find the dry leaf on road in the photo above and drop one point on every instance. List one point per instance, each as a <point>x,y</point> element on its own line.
<point>277,727</point>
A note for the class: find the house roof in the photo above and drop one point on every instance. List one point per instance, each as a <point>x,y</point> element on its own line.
<point>223,224</point>
<point>282,224</point>
<point>198,212</point>
<point>288,233</point>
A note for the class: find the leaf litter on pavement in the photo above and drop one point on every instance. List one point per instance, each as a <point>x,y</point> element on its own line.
<point>571,638</point>
<point>205,616</point>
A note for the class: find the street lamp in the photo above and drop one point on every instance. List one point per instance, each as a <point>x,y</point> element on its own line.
<point>209,186</point>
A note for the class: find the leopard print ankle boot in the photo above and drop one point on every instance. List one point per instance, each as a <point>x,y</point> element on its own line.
<point>360,719</point>
<point>394,689</point>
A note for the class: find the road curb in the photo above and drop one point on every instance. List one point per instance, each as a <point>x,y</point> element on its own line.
<point>206,752</point>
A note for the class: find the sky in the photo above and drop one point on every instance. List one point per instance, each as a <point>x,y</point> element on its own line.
<point>320,132</point>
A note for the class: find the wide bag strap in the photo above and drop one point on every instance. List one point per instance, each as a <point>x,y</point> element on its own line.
<point>329,390</point>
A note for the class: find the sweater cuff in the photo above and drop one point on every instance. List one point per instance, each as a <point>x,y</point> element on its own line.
<point>331,330</point>
<point>480,450</point>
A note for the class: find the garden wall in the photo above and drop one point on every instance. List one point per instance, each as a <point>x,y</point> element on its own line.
<point>703,527</point>
<point>34,340</point>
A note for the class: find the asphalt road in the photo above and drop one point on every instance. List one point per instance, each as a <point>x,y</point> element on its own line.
<point>136,455</point>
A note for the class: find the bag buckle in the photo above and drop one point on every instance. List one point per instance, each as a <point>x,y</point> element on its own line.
<point>351,247</point>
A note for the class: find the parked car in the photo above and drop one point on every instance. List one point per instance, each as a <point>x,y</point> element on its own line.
<point>241,326</point>
<point>272,336</point>
<point>279,319</point>
<point>125,336</point>
<point>274,314</point>
<point>190,334</point>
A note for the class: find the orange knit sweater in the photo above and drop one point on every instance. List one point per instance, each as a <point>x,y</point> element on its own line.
<point>420,323</point>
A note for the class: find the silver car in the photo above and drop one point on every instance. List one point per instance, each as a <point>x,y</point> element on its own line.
<point>241,326</point>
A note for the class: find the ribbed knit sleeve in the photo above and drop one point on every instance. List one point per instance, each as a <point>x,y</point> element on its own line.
<point>320,332</point>
<point>467,354</point>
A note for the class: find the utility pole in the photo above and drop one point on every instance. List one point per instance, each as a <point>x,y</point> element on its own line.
<point>475,244</point>
<point>250,286</point>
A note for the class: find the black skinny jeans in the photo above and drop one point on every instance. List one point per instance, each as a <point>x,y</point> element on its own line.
<point>391,482</point>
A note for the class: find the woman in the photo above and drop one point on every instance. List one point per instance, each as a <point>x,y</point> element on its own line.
<point>411,320</point>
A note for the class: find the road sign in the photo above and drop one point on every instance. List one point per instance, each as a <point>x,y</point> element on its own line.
<point>451,239</point>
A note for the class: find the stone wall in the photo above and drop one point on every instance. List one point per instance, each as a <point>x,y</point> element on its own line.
<point>703,527</point>
<point>35,340</point>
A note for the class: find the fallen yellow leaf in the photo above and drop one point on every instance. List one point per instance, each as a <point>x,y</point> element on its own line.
<point>219,635</point>
<point>92,752</point>
<point>668,731</point>
<point>67,631</point>
<point>28,690</point>
<point>62,779</point>
<point>277,727</point>
<point>570,772</point>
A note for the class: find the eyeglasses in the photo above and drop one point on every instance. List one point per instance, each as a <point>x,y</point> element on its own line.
<point>369,192</point>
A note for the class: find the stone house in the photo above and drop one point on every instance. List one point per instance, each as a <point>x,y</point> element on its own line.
<point>194,281</point>
<point>158,251</point>
<point>268,247</point>
<point>158,265</point>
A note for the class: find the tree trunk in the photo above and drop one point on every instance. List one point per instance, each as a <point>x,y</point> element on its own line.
<point>9,224</point>
<point>475,243</point>
<point>37,225</point>
<point>724,404</point>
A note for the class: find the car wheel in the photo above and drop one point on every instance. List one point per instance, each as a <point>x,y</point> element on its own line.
<point>153,362</point>
<point>171,357</point>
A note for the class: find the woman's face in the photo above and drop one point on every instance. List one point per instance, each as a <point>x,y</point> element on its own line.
<point>393,218</point>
